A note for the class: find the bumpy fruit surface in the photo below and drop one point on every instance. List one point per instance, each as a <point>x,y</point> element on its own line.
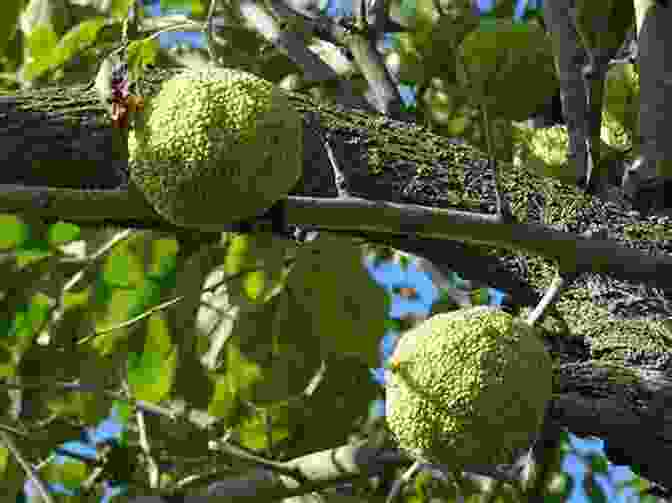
<point>468,388</point>
<point>216,146</point>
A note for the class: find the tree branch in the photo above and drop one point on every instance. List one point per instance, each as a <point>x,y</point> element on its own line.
<point>59,164</point>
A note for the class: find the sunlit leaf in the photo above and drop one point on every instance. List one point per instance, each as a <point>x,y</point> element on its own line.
<point>141,53</point>
<point>75,40</point>
<point>119,8</point>
<point>41,43</point>
<point>63,232</point>
<point>13,231</point>
<point>70,473</point>
<point>150,374</point>
<point>8,22</point>
<point>265,429</point>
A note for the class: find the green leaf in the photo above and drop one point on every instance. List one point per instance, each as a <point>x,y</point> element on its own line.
<point>408,8</point>
<point>503,8</point>
<point>226,403</point>
<point>480,297</point>
<point>604,24</point>
<point>119,8</point>
<point>12,476</point>
<point>41,43</point>
<point>123,410</point>
<point>141,53</point>
<point>508,67</point>
<point>8,22</point>
<point>89,408</point>
<point>151,374</point>
<point>181,5</point>
<point>598,463</point>
<point>63,232</point>
<point>340,399</point>
<point>123,268</point>
<point>77,39</point>
<point>294,353</point>
<point>13,231</point>
<point>28,318</point>
<point>255,263</point>
<point>532,14</point>
<point>70,473</point>
<point>559,488</point>
<point>265,429</point>
<point>347,307</point>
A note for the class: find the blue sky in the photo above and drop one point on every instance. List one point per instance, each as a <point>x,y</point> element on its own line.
<point>389,275</point>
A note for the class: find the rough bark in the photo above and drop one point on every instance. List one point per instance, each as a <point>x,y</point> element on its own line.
<point>609,333</point>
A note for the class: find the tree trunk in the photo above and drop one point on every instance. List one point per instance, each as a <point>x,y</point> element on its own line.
<point>609,332</point>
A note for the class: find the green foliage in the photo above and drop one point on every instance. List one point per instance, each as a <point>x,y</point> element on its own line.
<point>604,25</point>
<point>195,7</point>
<point>70,473</point>
<point>8,22</point>
<point>346,307</point>
<point>545,150</point>
<point>503,8</point>
<point>620,116</point>
<point>443,304</point>
<point>192,180</point>
<point>508,67</point>
<point>14,231</point>
<point>41,43</point>
<point>141,53</point>
<point>340,399</point>
<point>468,388</point>
<point>447,33</point>
<point>282,323</point>
<point>53,53</point>
<point>150,373</point>
<point>255,264</point>
<point>419,59</point>
<point>271,354</point>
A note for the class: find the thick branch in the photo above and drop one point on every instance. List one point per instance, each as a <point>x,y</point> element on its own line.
<point>61,139</point>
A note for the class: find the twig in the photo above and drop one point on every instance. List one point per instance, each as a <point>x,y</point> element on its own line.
<point>32,475</point>
<point>133,320</point>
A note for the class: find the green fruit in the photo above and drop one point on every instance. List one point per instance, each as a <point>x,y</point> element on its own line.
<point>216,146</point>
<point>509,67</point>
<point>468,388</point>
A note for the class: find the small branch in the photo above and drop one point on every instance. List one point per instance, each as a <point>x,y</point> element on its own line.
<point>30,473</point>
<point>359,216</point>
<point>314,69</point>
<point>552,293</point>
<point>400,482</point>
<point>226,446</point>
<point>90,388</point>
<point>209,29</point>
<point>130,322</point>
